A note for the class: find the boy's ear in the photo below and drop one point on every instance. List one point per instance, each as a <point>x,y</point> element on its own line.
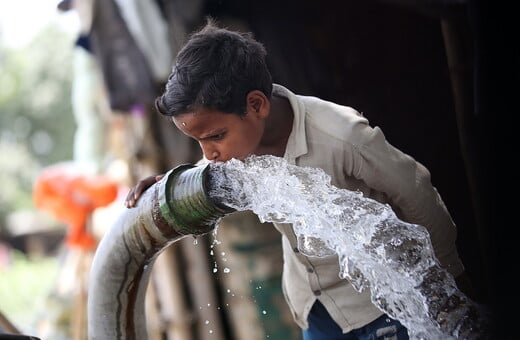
<point>257,103</point>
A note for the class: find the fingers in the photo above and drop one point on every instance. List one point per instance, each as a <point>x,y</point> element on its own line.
<point>131,198</point>
<point>139,188</point>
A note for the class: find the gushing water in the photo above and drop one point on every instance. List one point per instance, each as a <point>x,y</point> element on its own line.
<point>375,249</point>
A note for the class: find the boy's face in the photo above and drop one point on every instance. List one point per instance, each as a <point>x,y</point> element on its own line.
<point>223,136</point>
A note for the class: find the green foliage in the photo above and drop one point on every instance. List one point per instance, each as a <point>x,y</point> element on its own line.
<point>35,97</point>
<point>18,170</point>
<point>24,287</point>
<point>36,120</point>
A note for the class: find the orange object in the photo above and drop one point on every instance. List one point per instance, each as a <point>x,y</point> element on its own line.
<point>71,196</point>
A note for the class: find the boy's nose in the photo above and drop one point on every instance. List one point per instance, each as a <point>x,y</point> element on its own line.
<point>212,155</point>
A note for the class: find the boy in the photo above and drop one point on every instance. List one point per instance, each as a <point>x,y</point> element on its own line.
<point>220,93</point>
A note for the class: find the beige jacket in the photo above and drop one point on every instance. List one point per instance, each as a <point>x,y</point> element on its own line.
<point>339,140</point>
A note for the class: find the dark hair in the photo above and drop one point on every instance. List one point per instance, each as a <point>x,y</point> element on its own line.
<point>215,69</point>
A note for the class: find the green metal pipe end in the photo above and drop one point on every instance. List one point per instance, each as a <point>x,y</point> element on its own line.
<point>185,203</point>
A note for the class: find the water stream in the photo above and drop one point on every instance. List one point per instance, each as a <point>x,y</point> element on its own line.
<point>375,249</point>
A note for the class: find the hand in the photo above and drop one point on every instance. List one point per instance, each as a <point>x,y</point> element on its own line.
<point>139,188</point>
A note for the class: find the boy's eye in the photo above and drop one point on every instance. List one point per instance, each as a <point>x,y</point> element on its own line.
<point>217,136</point>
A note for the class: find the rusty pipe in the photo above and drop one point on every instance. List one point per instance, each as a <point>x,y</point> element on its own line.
<point>173,208</point>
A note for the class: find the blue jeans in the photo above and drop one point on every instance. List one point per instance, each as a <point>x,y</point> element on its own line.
<point>322,327</point>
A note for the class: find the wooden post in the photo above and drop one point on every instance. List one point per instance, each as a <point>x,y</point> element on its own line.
<point>202,288</point>
<point>166,276</point>
<point>250,263</point>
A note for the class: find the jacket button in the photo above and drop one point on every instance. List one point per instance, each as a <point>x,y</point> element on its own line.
<point>310,270</point>
<point>296,250</point>
<point>317,292</point>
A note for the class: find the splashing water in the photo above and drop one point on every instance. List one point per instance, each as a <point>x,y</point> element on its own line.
<point>376,250</point>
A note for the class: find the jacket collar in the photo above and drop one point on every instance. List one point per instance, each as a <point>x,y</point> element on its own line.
<point>297,142</point>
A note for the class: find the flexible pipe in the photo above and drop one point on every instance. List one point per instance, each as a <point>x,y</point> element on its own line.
<point>175,207</point>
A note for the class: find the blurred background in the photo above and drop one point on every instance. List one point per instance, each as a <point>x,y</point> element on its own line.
<point>36,83</point>
<point>77,129</point>
<point>36,130</point>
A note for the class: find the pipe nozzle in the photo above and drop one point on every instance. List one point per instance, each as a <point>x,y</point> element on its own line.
<point>185,202</point>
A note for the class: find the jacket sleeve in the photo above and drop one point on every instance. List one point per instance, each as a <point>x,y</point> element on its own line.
<point>407,185</point>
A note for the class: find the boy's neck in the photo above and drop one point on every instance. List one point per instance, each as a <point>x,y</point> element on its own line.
<point>278,127</point>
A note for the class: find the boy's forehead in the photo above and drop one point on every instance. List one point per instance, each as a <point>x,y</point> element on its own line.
<point>200,119</point>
